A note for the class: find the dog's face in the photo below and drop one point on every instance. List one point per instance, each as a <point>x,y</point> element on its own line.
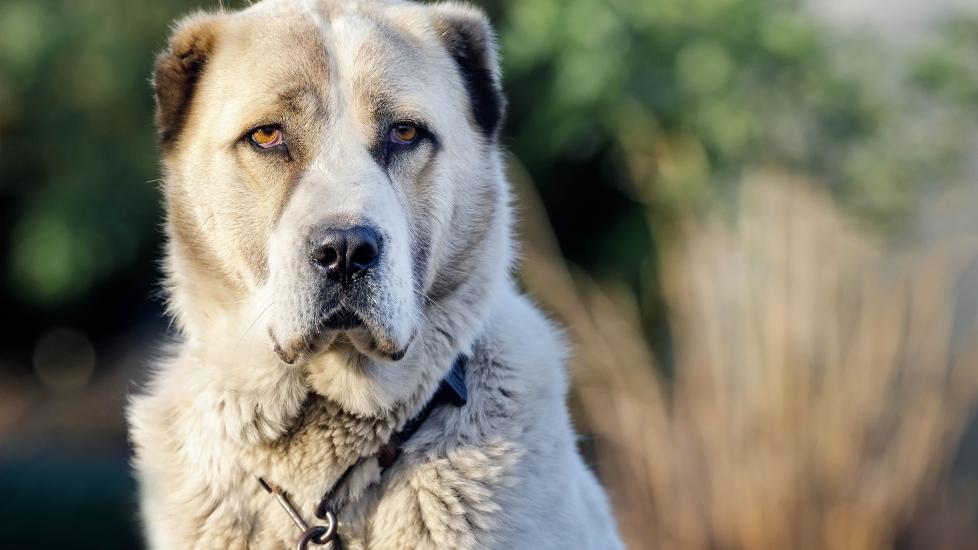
<point>332,175</point>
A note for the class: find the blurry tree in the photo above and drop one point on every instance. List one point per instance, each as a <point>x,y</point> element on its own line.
<point>676,97</point>
<point>78,162</point>
<point>616,103</point>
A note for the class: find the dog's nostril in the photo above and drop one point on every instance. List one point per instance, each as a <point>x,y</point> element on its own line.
<point>325,255</point>
<point>346,253</point>
<point>364,255</point>
<point>362,249</point>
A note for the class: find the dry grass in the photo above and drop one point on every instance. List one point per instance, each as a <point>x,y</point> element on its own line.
<point>820,384</point>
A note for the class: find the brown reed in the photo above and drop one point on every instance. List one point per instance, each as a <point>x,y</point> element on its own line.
<point>820,385</point>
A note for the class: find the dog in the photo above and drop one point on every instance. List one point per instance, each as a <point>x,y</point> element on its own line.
<point>353,365</point>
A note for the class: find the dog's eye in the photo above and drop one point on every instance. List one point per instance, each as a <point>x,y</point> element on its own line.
<point>267,137</point>
<point>404,134</point>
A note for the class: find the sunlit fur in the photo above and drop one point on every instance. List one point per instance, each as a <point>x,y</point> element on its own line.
<point>252,387</point>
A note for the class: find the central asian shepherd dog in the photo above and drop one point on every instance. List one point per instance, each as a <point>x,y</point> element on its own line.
<point>353,366</point>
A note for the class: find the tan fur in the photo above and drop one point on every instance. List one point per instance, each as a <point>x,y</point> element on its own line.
<point>252,387</point>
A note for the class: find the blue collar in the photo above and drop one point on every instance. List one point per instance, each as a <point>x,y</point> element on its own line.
<point>451,391</point>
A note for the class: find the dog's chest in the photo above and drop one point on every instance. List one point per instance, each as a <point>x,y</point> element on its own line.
<point>328,452</point>
<point>424,500</point>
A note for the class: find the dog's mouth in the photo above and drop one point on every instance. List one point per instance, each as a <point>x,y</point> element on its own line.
<point>341,319</point>
<point>341,326</point>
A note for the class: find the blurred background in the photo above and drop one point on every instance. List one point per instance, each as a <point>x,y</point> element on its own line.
<point>758,220</point>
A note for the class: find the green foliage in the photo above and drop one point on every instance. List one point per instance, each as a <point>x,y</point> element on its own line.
<point>76,143</point>
<point>678,97</point>
<point>949,65</point>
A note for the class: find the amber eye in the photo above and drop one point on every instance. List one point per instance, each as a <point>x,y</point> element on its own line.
<point>267,137</point>
<point>404,134</point>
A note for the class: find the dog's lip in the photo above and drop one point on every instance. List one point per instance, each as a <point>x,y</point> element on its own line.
<point>338,320</point>
<point>287,353</point>
<point>341,319</point>
<point>367,344</point>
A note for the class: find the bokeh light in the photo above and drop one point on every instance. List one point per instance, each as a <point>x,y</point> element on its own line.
<point>64,359</point>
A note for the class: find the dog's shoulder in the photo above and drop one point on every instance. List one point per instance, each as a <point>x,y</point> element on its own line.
<point>522,339</point>
<point>502,471</point>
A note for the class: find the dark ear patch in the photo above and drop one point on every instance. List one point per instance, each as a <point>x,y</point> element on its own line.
<point>469,40</point>
<point>177,71</point>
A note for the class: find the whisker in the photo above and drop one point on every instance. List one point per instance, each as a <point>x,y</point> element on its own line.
<point>262,312</point>
<point>433,325</point>
<point>432,302</point>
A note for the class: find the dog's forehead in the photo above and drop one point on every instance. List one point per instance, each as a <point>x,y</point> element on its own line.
<point>372,54</point>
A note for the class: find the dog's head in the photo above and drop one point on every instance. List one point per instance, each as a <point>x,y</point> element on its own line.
<point>333,184</point>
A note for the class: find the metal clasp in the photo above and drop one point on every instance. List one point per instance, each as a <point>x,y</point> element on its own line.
<point>317,534</point>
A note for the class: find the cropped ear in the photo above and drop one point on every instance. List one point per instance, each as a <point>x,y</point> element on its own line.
<point>468,37</point>
<point>177,71</point>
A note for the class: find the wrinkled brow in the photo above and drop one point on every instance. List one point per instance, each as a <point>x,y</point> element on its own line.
<point>302,99</point>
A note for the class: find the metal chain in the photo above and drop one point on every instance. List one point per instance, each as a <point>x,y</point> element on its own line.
<point>319,535</point>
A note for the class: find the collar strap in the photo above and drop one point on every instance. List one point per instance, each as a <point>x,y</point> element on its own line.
<point>451,391</point>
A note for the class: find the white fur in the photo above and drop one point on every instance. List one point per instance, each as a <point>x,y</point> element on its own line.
<point>501,472</point>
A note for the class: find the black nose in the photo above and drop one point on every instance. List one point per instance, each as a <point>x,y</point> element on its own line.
<point>346,254</point>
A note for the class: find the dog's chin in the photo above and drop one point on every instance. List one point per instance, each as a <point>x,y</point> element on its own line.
<point>345,332</point>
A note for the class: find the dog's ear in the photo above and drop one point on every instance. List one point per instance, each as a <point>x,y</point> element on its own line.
<point>469,39</point>
<point>177,71</point>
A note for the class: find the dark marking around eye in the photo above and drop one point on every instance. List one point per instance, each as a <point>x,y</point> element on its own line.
<point>403,134</point>
<point>390,144</point>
